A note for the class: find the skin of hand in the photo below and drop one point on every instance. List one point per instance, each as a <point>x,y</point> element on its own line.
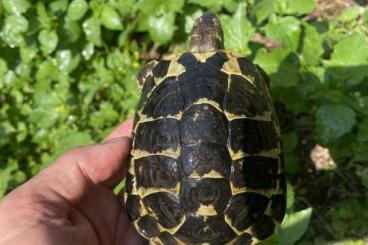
<point>71,201</point>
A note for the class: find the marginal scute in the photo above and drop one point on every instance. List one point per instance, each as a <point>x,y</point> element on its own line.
<point>199,230</point>
<point>166,208</point>
<point>244,209</point>
<point>203,123</point>
<point>157,172</point>
<point>167,239</point>
<point>147,226</point>
<point>263,227</point>
<point>244,239</point>
<point>148,86</point>
<point>133,206</point>
<point>278,207</point>
<point>157,135</point>
<point>205,191</point>
<point>160,70</point>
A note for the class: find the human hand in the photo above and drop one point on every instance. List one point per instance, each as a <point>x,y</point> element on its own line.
<point>71,201</point>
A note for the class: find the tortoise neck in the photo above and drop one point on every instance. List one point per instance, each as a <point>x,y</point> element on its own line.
<point>206,35</point>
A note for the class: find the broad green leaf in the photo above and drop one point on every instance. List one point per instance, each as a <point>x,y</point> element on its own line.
<point>13,28</point>
<point>76,10</point>
<point>92,29</point>
<point>312,46</point>
<point>110,18</point>
<point>16,7</point>
<point>282,66</point>
<point>294,226</point>
<point>161,28</point>
<point>285,29</point>
<point>48,40</point>
<point>298,7</point>
<point>263,9</point>
<point>348,65</point>
<point>349,14</point>
<point>237,31</point>
<point>333,121</point>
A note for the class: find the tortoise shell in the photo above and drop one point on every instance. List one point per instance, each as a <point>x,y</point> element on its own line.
<point>206,163</point>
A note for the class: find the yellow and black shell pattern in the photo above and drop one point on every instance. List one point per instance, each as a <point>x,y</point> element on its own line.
<point>206,163</point>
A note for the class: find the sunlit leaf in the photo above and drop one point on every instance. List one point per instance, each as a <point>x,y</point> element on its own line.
<point>294,226</point>
<point>92,29</point>
<point>76,10</point>
<point>16,7</point>
<point>161,28</point>
<point>48,41</point>
<point>237,31</point>
<point>110,18</point>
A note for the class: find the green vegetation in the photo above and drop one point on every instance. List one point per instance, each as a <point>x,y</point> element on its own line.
<point>66,71</point>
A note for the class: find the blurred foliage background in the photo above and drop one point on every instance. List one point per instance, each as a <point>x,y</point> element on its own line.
<point>66,79</point>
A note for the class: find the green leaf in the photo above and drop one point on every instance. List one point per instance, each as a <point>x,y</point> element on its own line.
<point>333,121</point>
<point>282,66</point>
<point>290,197</point>
<point>77,9</point>
<point>312,46</point>
<point>161,28</point>
<point>348,65</point>
<point>263,9</point>
<point>294,226</point>
<point>286,29</point>
<point>16,7</point>
<point>110,18</point>
<point>48,41</point>
<point>92,29</point>
<point>349,14</point>
<point>237,31</point>
<point>13,29</point>
<point>298,7</point>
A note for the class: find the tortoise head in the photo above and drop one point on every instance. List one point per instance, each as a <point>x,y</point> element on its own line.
<point>206,35</point>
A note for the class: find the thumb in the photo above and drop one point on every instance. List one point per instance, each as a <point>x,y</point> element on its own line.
<point>73,174</point>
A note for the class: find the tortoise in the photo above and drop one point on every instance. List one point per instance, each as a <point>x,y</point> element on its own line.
<point>206,161</point>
